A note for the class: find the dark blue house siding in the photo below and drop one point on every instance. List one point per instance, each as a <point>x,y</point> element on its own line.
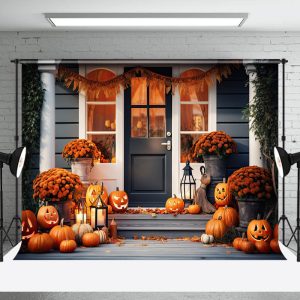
<point>232,97</point>
<point>66,119</point>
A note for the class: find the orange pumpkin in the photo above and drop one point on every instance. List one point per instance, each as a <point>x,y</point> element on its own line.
<point>90,240</point>
<point>216,228</point>
<point>60,233</point>
<point>29,224</point>
<point>118,200</point>
<point>259,230</point>
<point>47,217</point>
<point>275,246</point>
<point>263,247</point>
<point>275,232</point>
<point>237,243</point>
<point>93,191</point>
<point>228,214</point>
<point>67,246</point>
<point>221,194</point>
<point>246,246</point>
<point>40,243</point>
<point>194,209</point>
<point>174,205</point>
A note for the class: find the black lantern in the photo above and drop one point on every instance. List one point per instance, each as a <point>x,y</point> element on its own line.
<point>188,184</point>
<point>99,213</point>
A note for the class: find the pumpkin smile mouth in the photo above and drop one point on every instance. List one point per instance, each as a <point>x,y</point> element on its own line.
<point>122,206</point>
<point>260,238</point>
<point>28,236</point>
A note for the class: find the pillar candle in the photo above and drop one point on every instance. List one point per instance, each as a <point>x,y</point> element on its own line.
<point>113,229</point>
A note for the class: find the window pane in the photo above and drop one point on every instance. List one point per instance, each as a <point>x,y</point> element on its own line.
<point>102,75</point>
<point>157,95</point>
<point>138,91</point>
<point>194,92</point>
<point>157,127</point>
<point>101,117</point>
<point>194,117</point>
<point>139,121</point>
<point>186,142</point>
<point>106,143</point>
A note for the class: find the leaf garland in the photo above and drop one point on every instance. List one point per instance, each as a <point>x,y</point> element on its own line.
<point>110,87</point>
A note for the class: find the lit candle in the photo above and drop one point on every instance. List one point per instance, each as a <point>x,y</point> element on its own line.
<point>112,126</point>
<point>107,123</point>
<point>81,218</point>
<point>100,217</point>
<point>139,125</point>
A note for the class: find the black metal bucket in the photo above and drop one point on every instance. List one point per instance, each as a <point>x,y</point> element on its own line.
<point>210,189</point>
<point>249,209</point>
<point>215,166</point>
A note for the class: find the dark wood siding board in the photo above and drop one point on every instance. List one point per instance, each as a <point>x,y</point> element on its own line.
<point>66,101</point>
<point>235,130</point>
<point>232,100</point>
<point>230,115</point>
<point>67,115</point>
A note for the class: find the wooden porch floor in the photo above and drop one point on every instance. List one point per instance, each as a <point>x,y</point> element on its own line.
<point>152,250</point>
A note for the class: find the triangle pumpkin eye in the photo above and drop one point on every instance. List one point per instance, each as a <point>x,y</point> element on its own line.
<point>255,228</point>
<point>263,227</point>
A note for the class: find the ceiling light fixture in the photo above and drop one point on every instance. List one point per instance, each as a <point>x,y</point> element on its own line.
<point>147,20</point>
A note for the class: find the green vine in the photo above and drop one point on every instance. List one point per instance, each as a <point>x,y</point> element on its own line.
<point>32,101</point>
<point>263,110</point>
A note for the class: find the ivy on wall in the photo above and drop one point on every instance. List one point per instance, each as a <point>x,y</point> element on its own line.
<point>263,111</point>
<point>32,101</point>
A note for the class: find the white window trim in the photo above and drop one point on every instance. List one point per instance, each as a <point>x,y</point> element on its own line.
<point>112,174</point>
<point>212,125</point>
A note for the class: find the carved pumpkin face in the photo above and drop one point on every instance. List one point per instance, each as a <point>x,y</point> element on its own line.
<point>93,191</point>
<point>118,200</point>
<point>47,217</point>
<point>29,224</point>
<point>174,205</point>
<point>259,230</point>
<point>221,194</point>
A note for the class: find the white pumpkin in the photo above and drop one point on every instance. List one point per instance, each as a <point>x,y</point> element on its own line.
<point>80,230</point>
<point>102,235</point>
<point>206,238</point>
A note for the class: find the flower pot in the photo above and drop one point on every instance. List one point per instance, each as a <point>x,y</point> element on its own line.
<point>66,210</point>
<point>82,167</point>
<point>249,208</point>
<point>215,166</point>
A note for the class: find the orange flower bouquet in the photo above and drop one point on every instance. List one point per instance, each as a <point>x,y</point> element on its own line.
<point>80,148</point>
<point>251,182</point>
<point>214,143</point>
<point>57,185</point>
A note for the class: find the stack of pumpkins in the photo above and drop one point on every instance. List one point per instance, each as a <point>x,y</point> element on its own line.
<point>56,235</point>
<point>175,205</point>
<point>223,219</point>
<point>260,238</point>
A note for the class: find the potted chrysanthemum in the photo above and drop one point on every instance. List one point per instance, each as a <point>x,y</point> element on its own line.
<point>251,187</point>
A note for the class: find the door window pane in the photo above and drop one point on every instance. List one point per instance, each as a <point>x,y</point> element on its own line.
<point>194,117</point>
<point>139,126</point>
<point>101,117</point>
<point>106,143</point>
<point>157,94</point>
<point>186,142</point>
<point>157,126</point>
<point>139,91</point>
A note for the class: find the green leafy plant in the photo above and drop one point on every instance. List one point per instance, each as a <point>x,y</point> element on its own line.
<point>263,110</point>
<point>32,101</point>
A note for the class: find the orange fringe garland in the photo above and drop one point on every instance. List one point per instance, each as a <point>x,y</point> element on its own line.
<point>92,89</point>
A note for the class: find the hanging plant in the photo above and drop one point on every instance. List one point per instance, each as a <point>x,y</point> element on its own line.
<point>32,102</point>
<point>263,110</point>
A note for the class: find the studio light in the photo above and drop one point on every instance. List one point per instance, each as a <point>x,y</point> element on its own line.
<point>284,161</point>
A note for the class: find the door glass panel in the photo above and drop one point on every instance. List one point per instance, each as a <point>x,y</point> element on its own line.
<point>157,95</point>
<point>101,117</point>
<point>139,125</point>
<point>194,92</point>
<point>186,142</point>
<point>194,117</point>
<point>106,143</point>
<point>157,126</point>
<point>139,91</point>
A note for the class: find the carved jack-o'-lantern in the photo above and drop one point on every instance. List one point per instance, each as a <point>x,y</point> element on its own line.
<point>47,216</point>
<point>259,230</point>
<point>93,191</point>
<point>29,224</point>
<point>174,205</point>
<point>118,200</point>
<point>221,194</point>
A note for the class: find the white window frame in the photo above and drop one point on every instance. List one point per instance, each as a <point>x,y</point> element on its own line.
<point>112,174</point>
<point>176,114</point>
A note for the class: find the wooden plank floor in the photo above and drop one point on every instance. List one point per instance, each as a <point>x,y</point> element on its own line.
<point>152,250</point>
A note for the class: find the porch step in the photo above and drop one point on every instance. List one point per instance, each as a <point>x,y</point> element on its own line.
<point>170,226</point>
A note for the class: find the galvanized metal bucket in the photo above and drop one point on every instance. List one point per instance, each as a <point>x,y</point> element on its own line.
<point>215,166</point>
<point>82,167</point>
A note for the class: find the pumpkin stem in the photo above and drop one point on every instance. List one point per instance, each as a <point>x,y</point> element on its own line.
<point>258,216</point>
<point>174,196</point>
<point>244,235</point>
<point>62,222</point>
<point>220,218</point>
<point>224,180</point>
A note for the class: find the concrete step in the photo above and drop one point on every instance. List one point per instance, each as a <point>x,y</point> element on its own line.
<point>167,225</point>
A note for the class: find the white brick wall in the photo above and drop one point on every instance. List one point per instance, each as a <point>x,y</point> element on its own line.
<point>143,45</point>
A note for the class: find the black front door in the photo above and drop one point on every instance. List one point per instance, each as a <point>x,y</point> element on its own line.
<point>148,141</point>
